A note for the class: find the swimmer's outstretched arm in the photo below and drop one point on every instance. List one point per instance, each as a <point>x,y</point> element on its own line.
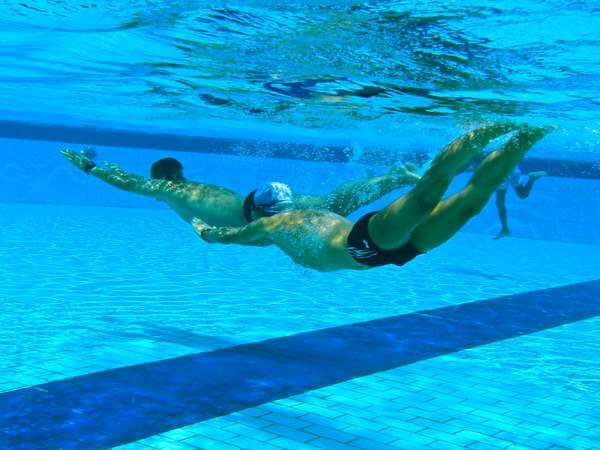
<point>349,197</point>
<point>115,175</point>
<point>254,233</point>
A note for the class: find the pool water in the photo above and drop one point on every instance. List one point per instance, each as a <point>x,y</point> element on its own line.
<point>92,289</point>
<point>120,328</point>
<point>116,286</point>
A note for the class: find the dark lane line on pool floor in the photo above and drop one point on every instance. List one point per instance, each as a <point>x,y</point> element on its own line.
<point>113,407</point>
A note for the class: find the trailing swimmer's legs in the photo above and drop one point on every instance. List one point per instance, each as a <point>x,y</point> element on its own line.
<point>450,215</point>
<point>522,191</point>
<point>349,197</point>
<point>393,226</point>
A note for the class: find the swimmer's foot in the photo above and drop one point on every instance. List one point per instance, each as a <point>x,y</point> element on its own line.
<point>502,234</point>
<point>412,167</point>
<point>537,175</point>
<point>405,173</point>
<point>529,135</point>
<point>458,154</point>
<point>524,140</point>
<point>499,164</point>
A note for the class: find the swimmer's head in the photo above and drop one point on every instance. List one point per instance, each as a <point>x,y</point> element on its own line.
<point>167,169</point>
<point>272,198</point>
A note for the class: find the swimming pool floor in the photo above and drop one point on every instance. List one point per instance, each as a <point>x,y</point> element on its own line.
<point>95,289</point>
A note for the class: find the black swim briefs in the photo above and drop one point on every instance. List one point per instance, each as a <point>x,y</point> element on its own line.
<point>364,250</point>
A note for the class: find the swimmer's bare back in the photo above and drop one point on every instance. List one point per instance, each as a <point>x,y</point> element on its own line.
<point>219,206</point>
<point>216,205</point>
<point>313,239</point>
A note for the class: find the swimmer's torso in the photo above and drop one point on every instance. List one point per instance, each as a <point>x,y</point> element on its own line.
<point>215,205</point>
<point>314,239</point>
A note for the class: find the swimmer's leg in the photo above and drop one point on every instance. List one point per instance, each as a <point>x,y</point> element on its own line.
<point>450,215</point>
<point>349,197</point>
<point>393,226</point>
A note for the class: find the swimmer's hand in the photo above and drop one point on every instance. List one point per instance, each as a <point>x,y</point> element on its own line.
<point>201,228</point>
<point>78,159</point>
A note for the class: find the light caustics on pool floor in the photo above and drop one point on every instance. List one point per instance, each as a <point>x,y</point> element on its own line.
<point>104,409</point>
<point>191,315</point>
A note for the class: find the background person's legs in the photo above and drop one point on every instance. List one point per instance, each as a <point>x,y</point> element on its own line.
<point>523,190</point>
<point>450,215</point>
<point>392,227</point>
<point>501,206</point>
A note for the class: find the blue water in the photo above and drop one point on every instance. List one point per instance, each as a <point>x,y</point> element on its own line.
<point>120,327</point>
<point>365,71</point>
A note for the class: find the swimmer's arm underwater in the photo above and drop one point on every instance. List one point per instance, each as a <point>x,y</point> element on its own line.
<point>252,234</point>
<point>114,175</point>
<point>349,197</point>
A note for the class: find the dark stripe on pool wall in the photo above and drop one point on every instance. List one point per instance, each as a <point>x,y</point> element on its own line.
<point>237,146</point>
<point>117,406</point>
<point>562,167</point>
<point>176,142</point>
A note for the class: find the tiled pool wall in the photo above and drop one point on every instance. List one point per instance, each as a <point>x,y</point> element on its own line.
<point>559,208</point>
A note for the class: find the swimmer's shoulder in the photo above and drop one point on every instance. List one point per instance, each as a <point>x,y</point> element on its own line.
<point>287,218</point>
<point>211,189</point>
<point>309,216</point>
<point>194,188</point>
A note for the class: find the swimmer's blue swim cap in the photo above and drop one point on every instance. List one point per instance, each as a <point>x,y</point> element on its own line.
<point>274,197</point>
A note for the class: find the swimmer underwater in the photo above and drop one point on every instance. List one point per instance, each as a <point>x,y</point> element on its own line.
<point>219,206</point>
<point>414,224</point>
